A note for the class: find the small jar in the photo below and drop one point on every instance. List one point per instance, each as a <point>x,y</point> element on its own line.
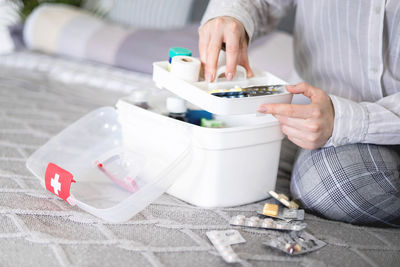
<point>176,108</point>
<point>140,99</point>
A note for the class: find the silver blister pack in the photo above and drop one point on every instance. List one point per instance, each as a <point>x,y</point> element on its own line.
<point>287,214</point>
<point>222,241</point>
<point>267,223</point>
<point>295,243</point>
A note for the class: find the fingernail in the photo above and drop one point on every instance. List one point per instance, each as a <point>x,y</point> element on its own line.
<point>262,110</point>
<point>290,86</point>
<point>229,76</point>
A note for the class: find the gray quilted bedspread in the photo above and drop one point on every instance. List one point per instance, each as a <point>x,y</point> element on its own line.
<point>39,96</point>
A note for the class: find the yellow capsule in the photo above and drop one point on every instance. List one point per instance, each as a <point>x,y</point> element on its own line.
<point>293,205</point>
<point>283,196</point>
<point>270,209</point>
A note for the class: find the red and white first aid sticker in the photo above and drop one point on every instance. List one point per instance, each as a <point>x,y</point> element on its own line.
<point>58,181</point>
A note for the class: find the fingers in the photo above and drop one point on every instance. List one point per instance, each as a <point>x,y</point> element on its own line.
<point>244,61</point>
<point>301,88</point>
<point>290,131</point>
<point>309,91</point>
<point>300,142</point>
<point>300,124</point>
<point>308,126</point>
<point>288,110</point>
<point>214,47</point>
<point>212,34</point>
<point>241,58</point>
<point>301,138</point>
<point>204,39</point>
<point>232,55</point>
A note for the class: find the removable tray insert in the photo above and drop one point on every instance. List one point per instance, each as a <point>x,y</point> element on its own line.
<point>198,92</point>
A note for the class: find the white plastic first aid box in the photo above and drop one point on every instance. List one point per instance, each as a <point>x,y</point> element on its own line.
<point>114,162</point>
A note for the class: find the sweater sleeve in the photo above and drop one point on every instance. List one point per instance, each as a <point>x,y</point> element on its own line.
<point>366,122</point>
<point>258,17</point>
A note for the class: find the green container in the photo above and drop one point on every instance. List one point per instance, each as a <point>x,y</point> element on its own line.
<point>178,51</point>
<point>211,123</point>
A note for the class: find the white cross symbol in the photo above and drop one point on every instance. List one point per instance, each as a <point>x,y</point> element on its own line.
<point>55,183</point>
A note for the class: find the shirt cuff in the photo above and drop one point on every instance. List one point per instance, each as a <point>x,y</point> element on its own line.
<point>227,8</point>
<point>350,124</point>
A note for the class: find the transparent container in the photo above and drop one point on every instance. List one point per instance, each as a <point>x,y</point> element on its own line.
<point>113,182</point>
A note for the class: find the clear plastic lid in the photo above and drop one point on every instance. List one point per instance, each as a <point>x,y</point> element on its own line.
<point>118,170</point>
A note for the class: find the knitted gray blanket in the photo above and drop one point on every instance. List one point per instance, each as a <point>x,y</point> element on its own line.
<point>39,96</point>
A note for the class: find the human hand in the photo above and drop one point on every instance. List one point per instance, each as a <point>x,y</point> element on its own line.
<point>226,30</point>
<point>308,126</point>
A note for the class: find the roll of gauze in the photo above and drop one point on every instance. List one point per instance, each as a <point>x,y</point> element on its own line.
<point>186,68</point>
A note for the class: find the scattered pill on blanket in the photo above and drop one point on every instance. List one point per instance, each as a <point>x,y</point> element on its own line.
<point>292,248</point>
<point>222,241</point>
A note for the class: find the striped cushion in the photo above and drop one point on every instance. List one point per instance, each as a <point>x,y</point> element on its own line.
<point>69,31</point>
<point>155,14</point>
<point>8,17</point>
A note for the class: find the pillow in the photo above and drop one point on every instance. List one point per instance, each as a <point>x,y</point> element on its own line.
<point>152,14</point>
<point>6,42</point>
<point>8,18</point>
<point>69,31</point>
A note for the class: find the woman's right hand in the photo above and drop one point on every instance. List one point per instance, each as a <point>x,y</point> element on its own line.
<point>226,30</point>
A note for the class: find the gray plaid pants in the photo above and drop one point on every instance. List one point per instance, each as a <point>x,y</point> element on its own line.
<point>357,183</point>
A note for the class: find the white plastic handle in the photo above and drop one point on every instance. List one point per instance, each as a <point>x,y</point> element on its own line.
<point>240,75</point>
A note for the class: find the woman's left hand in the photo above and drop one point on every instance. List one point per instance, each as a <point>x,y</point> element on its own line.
<point>308,126</point>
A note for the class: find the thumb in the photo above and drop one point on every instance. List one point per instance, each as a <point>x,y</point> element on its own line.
<point>302,88</point>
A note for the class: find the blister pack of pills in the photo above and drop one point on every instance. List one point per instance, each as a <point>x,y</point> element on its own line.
<point>222,241</point>
<point>266,223</point>
<point>239,92</point>
<point>282,198</point>
<point>295,243</point>
<point>273,210</point>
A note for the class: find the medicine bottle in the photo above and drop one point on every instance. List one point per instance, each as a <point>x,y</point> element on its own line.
<point>140,99</point>
<point>176,108</point>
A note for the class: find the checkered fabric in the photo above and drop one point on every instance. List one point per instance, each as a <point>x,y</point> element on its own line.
<point>357,183</point>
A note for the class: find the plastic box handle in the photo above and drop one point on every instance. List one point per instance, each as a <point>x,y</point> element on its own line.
<point>241,73</point>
